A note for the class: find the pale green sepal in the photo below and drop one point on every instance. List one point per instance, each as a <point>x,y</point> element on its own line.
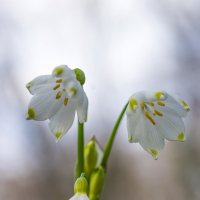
<point>30,114</point>
<point>81,185</point>
<point>80,75</point>
<point>96,183</point>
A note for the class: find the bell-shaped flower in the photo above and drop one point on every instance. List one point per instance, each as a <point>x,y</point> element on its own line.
<point>57,97</point>
<point>154,117</point>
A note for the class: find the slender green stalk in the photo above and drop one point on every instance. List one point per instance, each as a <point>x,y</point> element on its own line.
<point>111,139</point>
<point>80,150</point>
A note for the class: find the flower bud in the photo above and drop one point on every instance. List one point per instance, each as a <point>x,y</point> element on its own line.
<point>80,75</point>
<point>96,183</point>
<point>81,185</point>
<point>90,156</point>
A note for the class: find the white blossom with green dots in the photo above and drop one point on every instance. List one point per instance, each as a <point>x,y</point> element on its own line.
<point>58,97</point>
<point>153,117</point>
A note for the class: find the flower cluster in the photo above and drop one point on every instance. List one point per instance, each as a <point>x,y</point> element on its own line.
<point>57,97</point>
<point>154,117</point>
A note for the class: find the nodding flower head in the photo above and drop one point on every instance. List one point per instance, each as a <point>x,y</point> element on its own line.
<point>57,97</point>
<point>153,117</point>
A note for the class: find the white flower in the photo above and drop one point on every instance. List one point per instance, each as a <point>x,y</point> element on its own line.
<point>154,117</point>
<point>57,97</point>
<point>79,196</point>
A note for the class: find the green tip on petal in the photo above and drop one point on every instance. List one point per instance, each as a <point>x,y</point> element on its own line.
<point>80,75</point>
<point>29,85</point>
<point>30,114</point>
<point>131,138</point>
<point>58,71</point>
<point>73,90</point>
<point>185,106</point>
<point>181,137</point>
<point>154,153</point>
<point>58,135</point>
<point>133,103</point>
<point>159,95</point>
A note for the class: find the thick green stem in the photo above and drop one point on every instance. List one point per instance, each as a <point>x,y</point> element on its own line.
<point>80,150</point>
<point>111,139</point>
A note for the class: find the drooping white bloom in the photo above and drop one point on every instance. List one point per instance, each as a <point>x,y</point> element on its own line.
<point>154,117</point>
<point>79,196</point>
<point>57,97</point>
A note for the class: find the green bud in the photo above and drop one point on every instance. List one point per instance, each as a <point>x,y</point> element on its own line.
<point>81,185</point>
<point>90,157</point>
<point>80,75</point>
<point>96,183</point>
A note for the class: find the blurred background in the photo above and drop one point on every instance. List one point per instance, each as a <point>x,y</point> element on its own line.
<point>123,46</point>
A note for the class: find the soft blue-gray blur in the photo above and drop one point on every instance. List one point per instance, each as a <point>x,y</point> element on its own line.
<point>123,46</point>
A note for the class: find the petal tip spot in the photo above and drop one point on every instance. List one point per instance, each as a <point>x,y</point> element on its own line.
<point>58,135</point>
<point>160,95</point>
<point>185,106</point>
<point>58,71</point>
<point>29,85</point>
<point>154,153</point>
<point>181,137</point>
<point>133,103</point>
<point>131,139</point>
<point>30,114</point>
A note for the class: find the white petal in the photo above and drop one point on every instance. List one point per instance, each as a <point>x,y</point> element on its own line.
<point>82,109</point>
<point>39,83</point>
<point>44,105</point>
<point>174,105</point>
<point>133,121</point>
<point>62,121</point>
<point>79,197</point>
<point>171,126</point>
<point>147,96</point>
<point>65,72</point>
<point>149,138</point>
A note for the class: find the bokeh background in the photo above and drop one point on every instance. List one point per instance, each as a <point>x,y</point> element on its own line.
<point>123,46</point>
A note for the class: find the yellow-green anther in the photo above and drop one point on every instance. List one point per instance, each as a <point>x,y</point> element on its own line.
<point>90,157</point>
<point>96,183</point>
<point>56,87</point>
<point>81,185</point>
<point>80,75</point>
<point>58,71</point>
<point>30,113</point>
<point>58,95</point>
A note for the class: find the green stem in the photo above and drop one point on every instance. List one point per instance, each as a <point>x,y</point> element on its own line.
<point>80,150</point>
<point>111,139</point>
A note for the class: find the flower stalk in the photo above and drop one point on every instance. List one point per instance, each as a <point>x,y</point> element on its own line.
<point>80,150</point>
<point>111,139</point>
